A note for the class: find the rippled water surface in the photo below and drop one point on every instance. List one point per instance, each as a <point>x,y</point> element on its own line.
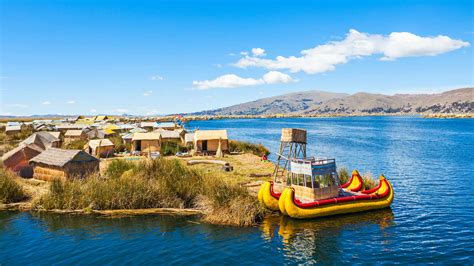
<point>428,161</point>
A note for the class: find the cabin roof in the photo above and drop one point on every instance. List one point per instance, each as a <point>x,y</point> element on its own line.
<point>60,157</point>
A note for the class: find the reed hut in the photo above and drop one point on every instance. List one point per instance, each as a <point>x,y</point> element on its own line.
<point>207,141</point>
<point>74,134</point>
<point>148,126</point>
<point>169,136</point>
<point>12,130</point>
<point>146,142</point>
<point>101,148</point>
<point>63,164</point>
<point>17,160</point>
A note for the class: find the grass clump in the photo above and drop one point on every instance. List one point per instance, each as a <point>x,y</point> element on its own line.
<point>247,147</point>
<point>10,190</point>
<point>159,183</point>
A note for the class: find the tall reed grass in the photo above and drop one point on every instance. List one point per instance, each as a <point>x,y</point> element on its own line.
<point>160,183</point>
<point>10,190</point>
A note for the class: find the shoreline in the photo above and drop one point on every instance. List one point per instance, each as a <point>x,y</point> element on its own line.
<point>187,117</point>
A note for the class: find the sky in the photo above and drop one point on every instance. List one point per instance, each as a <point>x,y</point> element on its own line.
<point>165,57</point>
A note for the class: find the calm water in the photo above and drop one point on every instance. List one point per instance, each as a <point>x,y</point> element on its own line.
<point>428,161</point>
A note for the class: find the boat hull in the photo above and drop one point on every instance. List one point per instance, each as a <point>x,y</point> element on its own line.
<point>268,197</point>
<point>380,198</point>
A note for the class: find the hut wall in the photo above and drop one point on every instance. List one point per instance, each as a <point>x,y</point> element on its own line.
<point>48,173</point>
<point>104,151</point>
<point>148,145</point>
<point>81,169</point>
<point>213,144</point>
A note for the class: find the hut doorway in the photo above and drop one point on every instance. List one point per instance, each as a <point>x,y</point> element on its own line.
<point>138,146</point>
<point>204,145</point>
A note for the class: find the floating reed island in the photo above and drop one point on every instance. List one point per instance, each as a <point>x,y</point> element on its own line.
<point>105,166</point>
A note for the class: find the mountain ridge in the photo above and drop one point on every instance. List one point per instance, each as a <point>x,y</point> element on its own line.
<point>457,101</point>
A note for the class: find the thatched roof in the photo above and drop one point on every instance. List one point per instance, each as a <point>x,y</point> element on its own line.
<point>69,126</point>
<point>60,157</point>
<point>73,133</point>
<point>12,128</point>
<point>28,151</point>
<point>41,139</point>
<point>166,125</point>
<point>210,134</point>
<point>168,134</point>
<point>100,143</point>
<point>55,134</point>
<point>147,136</point>
<point>148,124</point>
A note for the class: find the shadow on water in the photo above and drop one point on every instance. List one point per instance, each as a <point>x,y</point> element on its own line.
<point>322,239</point>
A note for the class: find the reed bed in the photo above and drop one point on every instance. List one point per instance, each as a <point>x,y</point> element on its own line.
<point>10,190</point>
<point>160,183</point>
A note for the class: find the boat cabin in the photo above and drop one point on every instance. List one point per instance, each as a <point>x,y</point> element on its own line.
<point>313,179</point>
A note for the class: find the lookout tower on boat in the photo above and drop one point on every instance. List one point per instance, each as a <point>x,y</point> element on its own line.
<point>311,178</point>
<point>292,146</point>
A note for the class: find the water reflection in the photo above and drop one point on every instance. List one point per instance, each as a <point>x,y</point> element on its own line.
<point>321,240</point>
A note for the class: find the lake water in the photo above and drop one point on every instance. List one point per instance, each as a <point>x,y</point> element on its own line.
<point>428,161</point>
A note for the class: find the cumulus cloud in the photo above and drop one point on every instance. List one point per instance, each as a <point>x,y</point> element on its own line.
<point>234,81</point>
<point>147,93</point>
<point>258,51</point>
<point>71,102</point>
<point>323,58</point>
<point>46,103</point>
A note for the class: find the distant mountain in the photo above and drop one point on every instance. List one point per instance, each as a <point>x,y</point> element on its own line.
<point>287,103</point>
<point>457,101</point>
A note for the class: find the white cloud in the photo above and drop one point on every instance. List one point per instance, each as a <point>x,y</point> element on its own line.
<point>323,58</point>
<point>244,53</point>
<point>258,52</point>
<point>156,77</point>
<point>71,102</point>
<point>147,93</point>
<point>93,111</point>
<point>234,81</point>
<point>46,103</point>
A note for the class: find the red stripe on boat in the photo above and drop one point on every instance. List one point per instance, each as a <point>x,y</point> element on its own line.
<point>275,195</point>
<point>342,199</point>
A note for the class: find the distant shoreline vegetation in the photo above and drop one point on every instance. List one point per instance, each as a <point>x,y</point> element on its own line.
<point>219,117</point>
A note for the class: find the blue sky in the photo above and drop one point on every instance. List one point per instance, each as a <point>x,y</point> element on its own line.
<point>160,57</point>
